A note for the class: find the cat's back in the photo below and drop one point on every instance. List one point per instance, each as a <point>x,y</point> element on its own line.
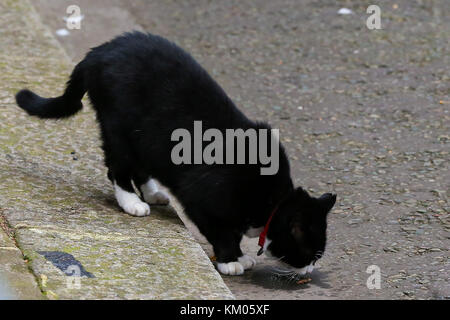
<point>138,51</point>
<point>157,79</point>
<point>143,62</point>
<point>152,73</point>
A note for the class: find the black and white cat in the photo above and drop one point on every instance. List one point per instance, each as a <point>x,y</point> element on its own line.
<point>144,87</point>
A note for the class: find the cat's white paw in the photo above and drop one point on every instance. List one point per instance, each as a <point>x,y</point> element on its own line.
<point>159,197</point>
<point>247,262</point>
<point>152,194</point>
<point>137,209</point>
<point>131,203</point>
<point>253,232</point>
<point>230,268</point>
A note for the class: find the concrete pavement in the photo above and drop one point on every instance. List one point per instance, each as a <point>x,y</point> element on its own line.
<point>16,281</point>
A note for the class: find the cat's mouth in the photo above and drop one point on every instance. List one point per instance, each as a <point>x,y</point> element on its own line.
<point>284,267</point>
<point>299,271</point>
<point>306,269</point>
<point>290,274</point>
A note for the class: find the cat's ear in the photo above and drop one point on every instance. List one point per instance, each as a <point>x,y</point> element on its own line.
<point>301,193</point>
<point>327,201</point>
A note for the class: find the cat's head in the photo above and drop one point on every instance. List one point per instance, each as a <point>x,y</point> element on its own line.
<point>297,233</point>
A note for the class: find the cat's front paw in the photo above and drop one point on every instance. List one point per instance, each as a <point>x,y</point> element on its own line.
<point>137,209</point>
<point>230,268</point>
<point>247,262</point>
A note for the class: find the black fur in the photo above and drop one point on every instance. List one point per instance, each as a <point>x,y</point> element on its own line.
<point>143,87</point>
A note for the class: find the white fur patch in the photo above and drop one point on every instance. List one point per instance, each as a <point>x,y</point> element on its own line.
<point>305,269</point>
<point>247,262</point>
<point>266,244</point>
<point>302,271</point>
<point>254,232</point>
<point>131,203</point>
<point>152,194</point>
<point>230,268</point>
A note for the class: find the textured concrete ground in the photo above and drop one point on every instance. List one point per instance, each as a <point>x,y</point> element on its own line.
<point>55,196</point>
<point>363,113</point>
<point>16,281</point>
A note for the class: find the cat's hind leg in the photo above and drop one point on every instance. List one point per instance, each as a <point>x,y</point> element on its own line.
<point>152,194</point>
<point>130,202</point>
<point>127,199</point>
<point>119,156</point>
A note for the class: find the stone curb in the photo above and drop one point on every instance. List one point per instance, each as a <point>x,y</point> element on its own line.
<point>55,195</point>
<point>16,281</point>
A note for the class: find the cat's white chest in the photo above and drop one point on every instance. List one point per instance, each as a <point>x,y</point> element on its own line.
<point>254,232</point>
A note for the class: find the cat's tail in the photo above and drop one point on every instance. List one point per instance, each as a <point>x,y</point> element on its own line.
<point>60,107</point>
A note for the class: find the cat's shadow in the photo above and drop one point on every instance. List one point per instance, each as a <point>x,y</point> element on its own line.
<point>265,277</point>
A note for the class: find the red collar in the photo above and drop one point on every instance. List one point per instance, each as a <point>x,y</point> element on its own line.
<point>263,234</point>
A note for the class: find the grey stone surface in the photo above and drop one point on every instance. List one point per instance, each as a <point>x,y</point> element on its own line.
<point>16,281</point>
<point>57,203</point>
